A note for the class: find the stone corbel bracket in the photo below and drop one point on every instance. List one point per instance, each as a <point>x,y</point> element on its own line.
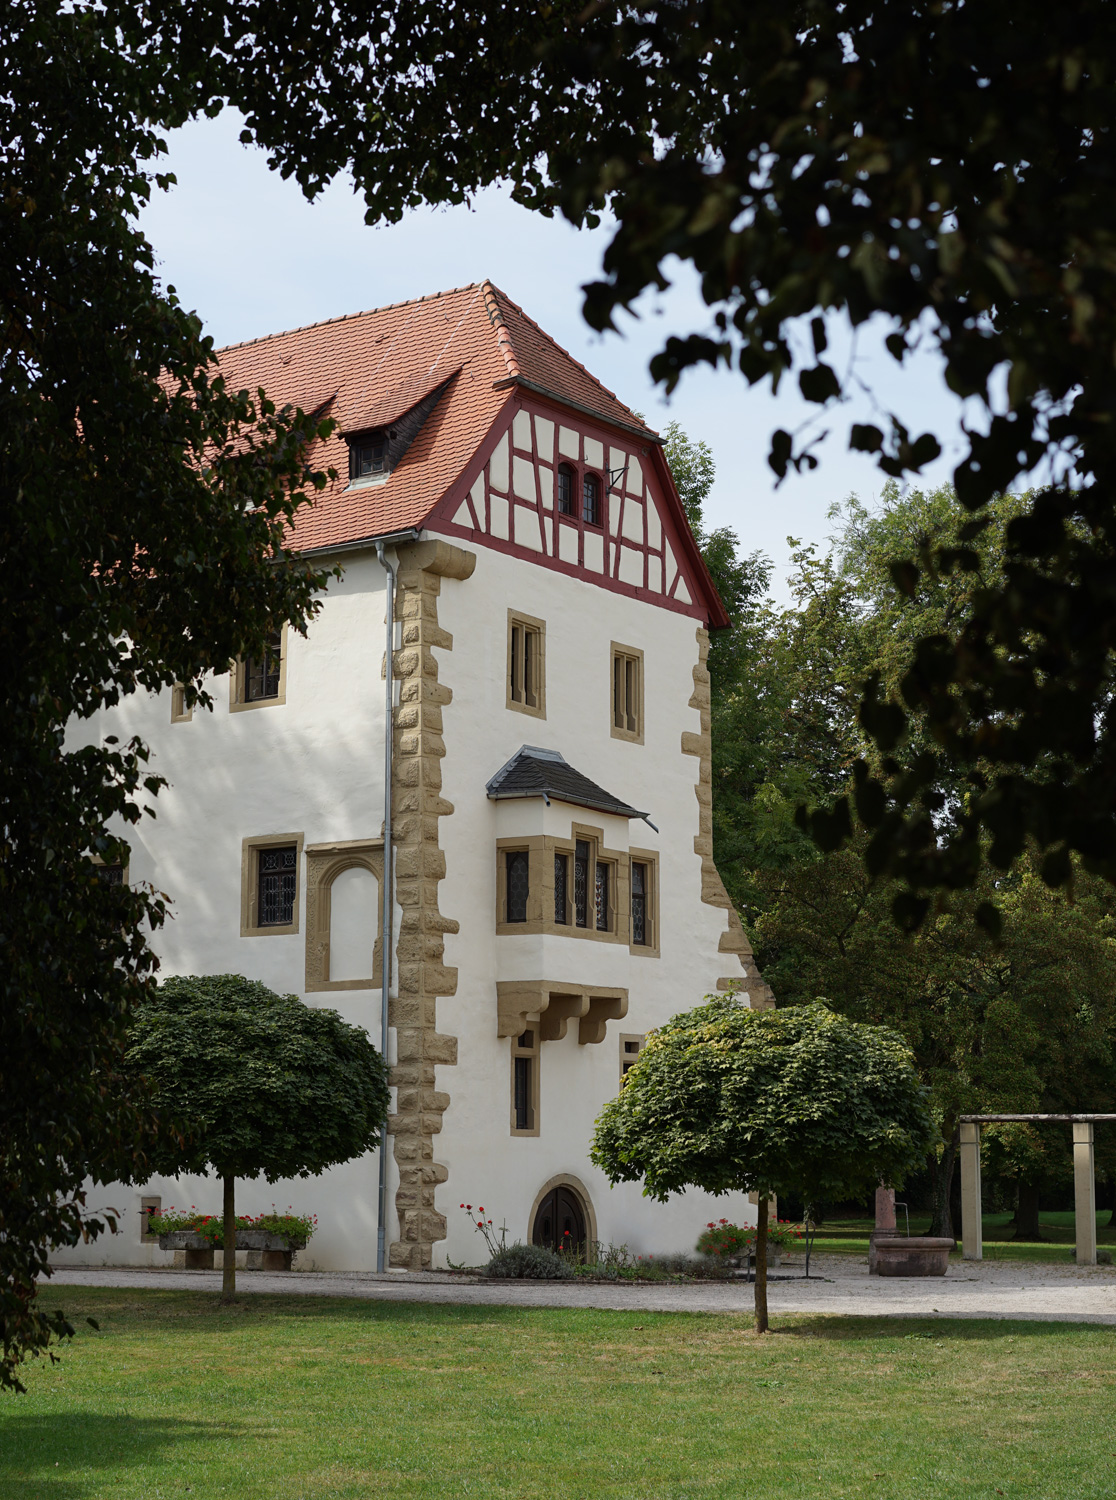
<point>522,1006</point>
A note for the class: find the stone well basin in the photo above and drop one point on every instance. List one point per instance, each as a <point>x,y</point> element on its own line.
<point>917,1255</point>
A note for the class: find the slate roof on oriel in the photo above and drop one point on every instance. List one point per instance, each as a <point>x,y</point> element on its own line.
<point>366,369</point>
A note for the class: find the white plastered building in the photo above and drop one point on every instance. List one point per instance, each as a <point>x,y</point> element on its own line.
<point>552,889</point>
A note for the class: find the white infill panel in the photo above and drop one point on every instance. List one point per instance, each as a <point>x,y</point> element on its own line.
<point>521,430</point>
<point>594,551</point>
<point>476,495</point>
<point>614,514</point>
<point>498,516</point>
<point>498,466</point>
<point>523,477</point>
<point>527,530</point>
<point>544,438</point>
<point>654,573</point>
<point>682,592</point>
<point>567,543</point>
<point>634,481</point>
<point>670,567</point>
<point>569,443</point>
<point>654,526</point>
<point>631,567</point>
<point>594,453</point>
<point>463,516</point>
<point>633,521</point>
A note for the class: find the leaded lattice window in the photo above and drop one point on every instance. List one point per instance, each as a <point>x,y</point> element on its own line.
<point>369,456</point>
<point>565,490</point>
<point>277,886</point>
<point>581,883</point>
<point>110,874</point>
<point>600,896</point>
<point>518,885</point>
<point>261,673</point>
<point>639,903</point>
<point>561,888</point>
<point>591,500</point>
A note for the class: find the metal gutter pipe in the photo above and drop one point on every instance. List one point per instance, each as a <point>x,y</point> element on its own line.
<point>387,905</point>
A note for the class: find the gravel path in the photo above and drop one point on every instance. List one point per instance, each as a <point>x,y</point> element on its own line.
<point>838,1284</point>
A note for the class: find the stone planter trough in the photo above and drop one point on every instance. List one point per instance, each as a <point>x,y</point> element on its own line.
<point>266,1252</point>
<point>918,1255</point>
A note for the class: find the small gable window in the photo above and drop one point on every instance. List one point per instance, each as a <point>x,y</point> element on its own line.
<point>565,490</point>
<point>591,500</point>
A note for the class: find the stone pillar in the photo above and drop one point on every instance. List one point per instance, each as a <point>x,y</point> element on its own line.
<point>1084,1193</point>
<point>885,1224</point>
<point>972,1238</point>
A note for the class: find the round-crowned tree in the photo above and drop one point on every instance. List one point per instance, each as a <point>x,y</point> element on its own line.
<point>801,1100</point>
<point>259,1084</point>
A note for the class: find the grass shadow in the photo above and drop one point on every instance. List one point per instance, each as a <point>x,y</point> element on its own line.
<point>841,1328</point>
<point>40,1452</point>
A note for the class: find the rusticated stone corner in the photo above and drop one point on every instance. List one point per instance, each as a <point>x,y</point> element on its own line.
<point>734,940</point>
<point>421,973</point>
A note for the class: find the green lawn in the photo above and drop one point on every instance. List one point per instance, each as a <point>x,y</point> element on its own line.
<point>296,1398</point>
<point>850,1236</point>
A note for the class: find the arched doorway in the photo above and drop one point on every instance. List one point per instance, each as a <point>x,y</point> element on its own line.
<point>559,1219</point>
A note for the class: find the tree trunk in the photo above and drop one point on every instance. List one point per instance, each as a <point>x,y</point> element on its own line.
<point>228,1236</point>
<point>1027,1213</point>
<point>761,1265</point>
<point>941,1176</point>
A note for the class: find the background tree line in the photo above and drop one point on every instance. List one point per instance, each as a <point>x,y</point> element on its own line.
<point>1020,1025</point>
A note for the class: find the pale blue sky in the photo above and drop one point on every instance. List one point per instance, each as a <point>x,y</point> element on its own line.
<point>246,251</point>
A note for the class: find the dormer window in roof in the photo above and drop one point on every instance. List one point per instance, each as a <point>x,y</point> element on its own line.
<point>379,431</point>
<point>368,456</point>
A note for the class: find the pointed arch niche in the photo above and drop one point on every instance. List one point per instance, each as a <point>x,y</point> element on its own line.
<point>343,915</point>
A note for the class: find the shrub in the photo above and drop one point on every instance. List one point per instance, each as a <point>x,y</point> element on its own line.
<point>527,1263</point>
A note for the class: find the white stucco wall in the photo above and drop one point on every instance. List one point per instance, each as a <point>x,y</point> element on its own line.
<point>312,765</point>
<point>487,1164</point>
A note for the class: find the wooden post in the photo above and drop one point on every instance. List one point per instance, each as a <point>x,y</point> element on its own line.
<point>972,1246</point>
<point>1084,1194</point>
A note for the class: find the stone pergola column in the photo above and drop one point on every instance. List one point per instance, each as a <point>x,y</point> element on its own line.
<point>972,1246</point>
<point>1084,1193</point>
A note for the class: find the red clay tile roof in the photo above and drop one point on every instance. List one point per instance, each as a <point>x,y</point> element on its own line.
<point>374,361</point>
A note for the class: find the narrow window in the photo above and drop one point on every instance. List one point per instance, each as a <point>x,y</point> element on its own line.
<point>516,864</point>
<point>591,500</point>
<point>526,642</point>
<point>525,1084</point>
<point>581,883</point>
<point>565,490</point>
<point>600,896</point>
<point>180,712</point>
<point>261,672</point>
<point>561,889</point>
<point>277,883</point>
<point>627,693</point>
<point>630,1048</point>
<point>110,874</point>
<point>639,903</point>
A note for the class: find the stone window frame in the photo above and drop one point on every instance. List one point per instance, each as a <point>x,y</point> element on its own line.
<point>650,858</point>
<point>250,877</point>
<point>541,849</point>
<point>237,686</point>
<point>324,862</point>
<point>532,1052</point>
<point>181,713</point>
<point>633,655</point>
<point>150,1204</point>
<point>630,1039</point>
<point>528,624</point>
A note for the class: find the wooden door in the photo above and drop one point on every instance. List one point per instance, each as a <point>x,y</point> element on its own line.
<point>560,1221</point>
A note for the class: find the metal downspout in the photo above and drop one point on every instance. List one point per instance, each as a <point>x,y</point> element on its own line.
<point>387,920</point>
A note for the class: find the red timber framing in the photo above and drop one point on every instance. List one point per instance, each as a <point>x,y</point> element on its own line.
<point>507,499</point>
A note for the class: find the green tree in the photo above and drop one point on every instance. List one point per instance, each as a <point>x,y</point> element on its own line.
<point>802,1100</point>
<point>944,170</point>
<point>260,1082</point>
<point>144,509</point>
